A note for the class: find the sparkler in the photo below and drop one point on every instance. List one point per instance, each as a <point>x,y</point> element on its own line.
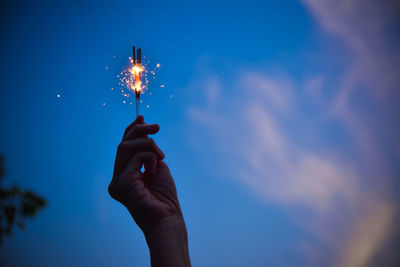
<point>133,79</point>
<point>135,71</point>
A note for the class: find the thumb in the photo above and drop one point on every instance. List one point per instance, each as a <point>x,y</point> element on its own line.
<point>163,177</point>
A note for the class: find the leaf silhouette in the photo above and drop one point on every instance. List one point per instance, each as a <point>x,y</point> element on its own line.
<point>16,205</point>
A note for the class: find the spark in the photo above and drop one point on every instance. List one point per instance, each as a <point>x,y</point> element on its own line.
<point>136,71</point>
<point>134,78</point>
<point>162,86</point>
<point>58,95</point>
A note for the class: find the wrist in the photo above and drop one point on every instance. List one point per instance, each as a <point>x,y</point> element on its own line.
<point>166,229</point>
<point>167,241</point>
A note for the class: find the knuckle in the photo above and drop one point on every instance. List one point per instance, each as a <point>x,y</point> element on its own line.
<point>135,129</point>
<point>112,190</point>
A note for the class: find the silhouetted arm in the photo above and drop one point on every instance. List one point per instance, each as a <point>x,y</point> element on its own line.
<point>151,196</point>
<point>168,243</point>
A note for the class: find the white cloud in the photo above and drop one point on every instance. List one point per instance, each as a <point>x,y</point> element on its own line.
<point>270,158</point>
<point>275,93</point>
<point>278,169</point>
<point>271,163</point>
<point>366,29</point>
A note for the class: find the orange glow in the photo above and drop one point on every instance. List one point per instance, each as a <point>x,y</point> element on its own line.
<point>135,72</point>
<point>135,78</point>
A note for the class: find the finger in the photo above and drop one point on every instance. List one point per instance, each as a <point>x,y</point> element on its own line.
<point>162,168</point>
<point>141,130</point>
<point>163,183</point>
<point>130,184</point>
<point>146,158</point>
<point>138,120</point>
<point>150,163</point>
<point>163,177</point>
<point>129,148</point>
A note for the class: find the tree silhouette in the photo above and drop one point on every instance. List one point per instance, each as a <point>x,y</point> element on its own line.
<point>16,205</point>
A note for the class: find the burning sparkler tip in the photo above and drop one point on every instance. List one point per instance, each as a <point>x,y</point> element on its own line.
<point>134,79</point>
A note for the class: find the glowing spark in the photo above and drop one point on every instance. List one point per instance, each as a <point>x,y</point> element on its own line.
<point>58,95</point>
<point>130,78</point>
<point>135,72</point>
<point>134,79</point>
<point>162,85</point>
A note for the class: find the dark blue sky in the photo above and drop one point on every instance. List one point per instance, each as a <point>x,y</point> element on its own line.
<point>258,123</point>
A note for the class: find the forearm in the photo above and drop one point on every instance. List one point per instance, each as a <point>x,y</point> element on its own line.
<point>168,243</point>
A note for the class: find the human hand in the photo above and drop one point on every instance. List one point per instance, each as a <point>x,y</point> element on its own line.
<point>150,195</point>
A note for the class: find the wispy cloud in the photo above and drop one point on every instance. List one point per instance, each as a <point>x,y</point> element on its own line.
<point>281,152</point>
<point>368,30</point>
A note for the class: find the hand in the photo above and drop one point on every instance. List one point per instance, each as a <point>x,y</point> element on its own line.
<point>150,195</point>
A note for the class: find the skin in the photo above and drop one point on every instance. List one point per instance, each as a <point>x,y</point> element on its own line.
<point>150,196</point>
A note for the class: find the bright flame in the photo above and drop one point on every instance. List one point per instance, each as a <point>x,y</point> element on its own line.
<point>135,78</point>
<point>135,72</point>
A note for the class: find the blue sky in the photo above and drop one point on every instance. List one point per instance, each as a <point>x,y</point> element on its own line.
<point>278,121</point>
